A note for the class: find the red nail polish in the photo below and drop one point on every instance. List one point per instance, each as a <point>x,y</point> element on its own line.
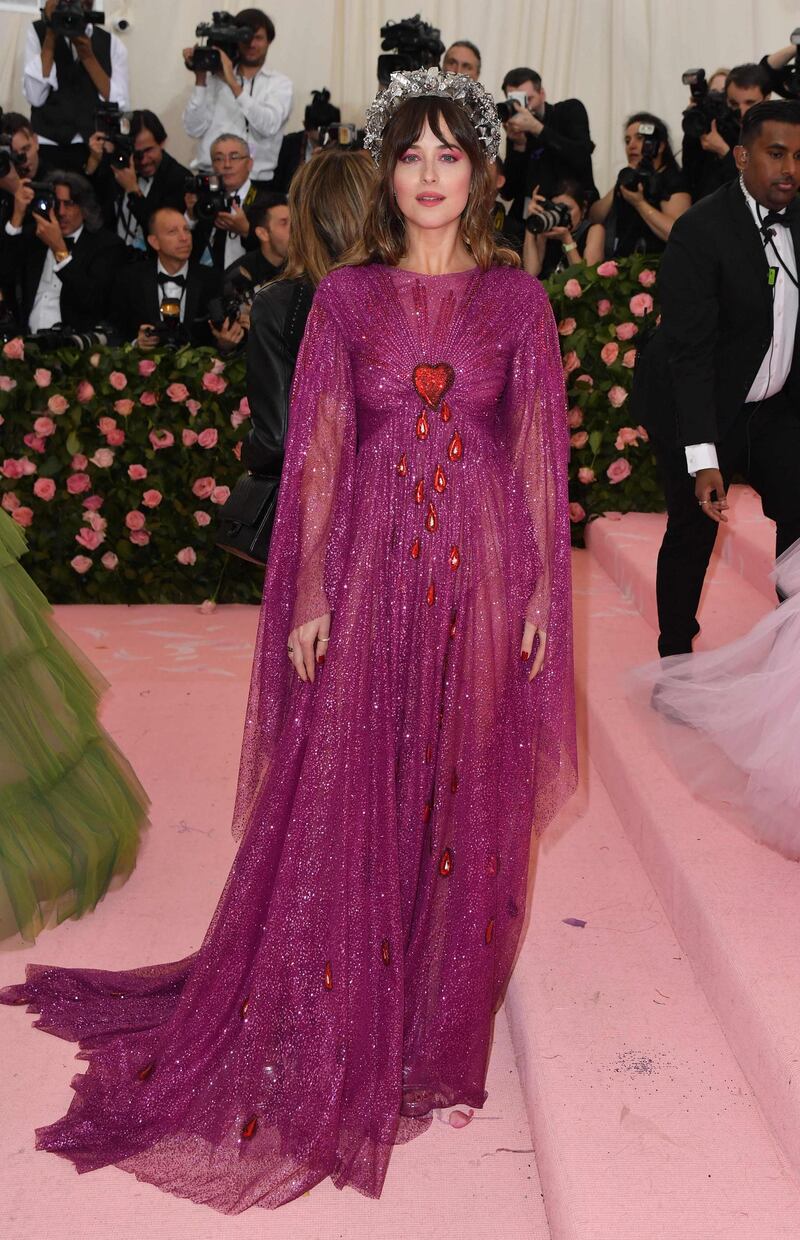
<point>320,659</point>
<point>525,655</point>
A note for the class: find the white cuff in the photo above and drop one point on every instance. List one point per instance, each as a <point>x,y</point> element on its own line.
<point>64,262</point>
<point>11,231</point>
<point>701,456</point>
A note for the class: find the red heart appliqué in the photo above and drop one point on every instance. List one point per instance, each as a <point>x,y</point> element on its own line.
<point>433,381</point>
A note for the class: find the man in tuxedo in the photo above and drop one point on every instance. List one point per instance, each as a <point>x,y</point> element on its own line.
<point>226,237</point>
<point>297,148</point>
<point>718,385</point>
<point>64,270</point>
<point>167,280</point>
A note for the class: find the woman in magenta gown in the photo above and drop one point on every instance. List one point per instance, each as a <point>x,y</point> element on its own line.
<point>411,721</point>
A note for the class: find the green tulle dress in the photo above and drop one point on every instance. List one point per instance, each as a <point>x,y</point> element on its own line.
<point>71,809</point>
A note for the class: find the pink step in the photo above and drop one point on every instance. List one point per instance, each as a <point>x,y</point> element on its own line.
<point>748,541</point>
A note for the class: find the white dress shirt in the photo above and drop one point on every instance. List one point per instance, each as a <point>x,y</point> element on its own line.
<point>36,87</point>
<point>128,227</point>
<point>234,244</point>
<point>258,115</point>
<point>173,292</point>
<point>777,362</point>
<point>46,310</point>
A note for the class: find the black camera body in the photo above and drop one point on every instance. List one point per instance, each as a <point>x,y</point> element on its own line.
<point>708,106</point>
<point>645,175</point>
<point>346,136</point>
<point>414,44</point>
<point>10,160</point>
<point>222,32</point>
<point>212,197</point>
<point>44,199</point>
<point>62,336</point>
<point>788,85</point>
<point>116,128</point>
<point>548,215</point>
<point>70,19</point>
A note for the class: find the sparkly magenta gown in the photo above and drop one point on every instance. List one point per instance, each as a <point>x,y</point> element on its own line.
<point>365,935</point>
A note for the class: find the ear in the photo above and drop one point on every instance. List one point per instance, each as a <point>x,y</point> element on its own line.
<point>741,156</point>
<point>262,233</point>
<point>501,180</point>
<point>153,241</point>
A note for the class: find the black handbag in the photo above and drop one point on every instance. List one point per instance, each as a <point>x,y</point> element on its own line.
<point>245,519</point>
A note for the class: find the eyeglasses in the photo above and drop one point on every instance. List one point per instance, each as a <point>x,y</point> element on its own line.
<point>228,159</point>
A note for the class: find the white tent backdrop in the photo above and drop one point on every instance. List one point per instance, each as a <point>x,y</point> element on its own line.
<point>618,56</point>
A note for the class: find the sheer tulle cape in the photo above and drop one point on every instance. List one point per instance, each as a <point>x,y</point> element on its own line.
<point>366,933</point>
<point>729,718</point>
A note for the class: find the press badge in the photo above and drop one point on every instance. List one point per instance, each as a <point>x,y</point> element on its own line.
<point>772,276</point>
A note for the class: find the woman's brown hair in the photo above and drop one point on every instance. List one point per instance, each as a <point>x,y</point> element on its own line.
<point>384,235</point>
<point>328,200</point>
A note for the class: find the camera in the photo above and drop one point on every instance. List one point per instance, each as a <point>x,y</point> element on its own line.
<point>222,32</point>
<point>516,101</point>
<point>414,44</point>
<point>44,198</point>
<point>9,327</point>
<point>548,215</point>
<point>789,84</point>
<point>645,175</point>
<point>116,128</point>
<point>211,195</point>
<point>70,19</point>
<point>10,160</point>
<point>170,332</point>
<point>708,106</point>
<point>64,337</point>
<point>345,136</point>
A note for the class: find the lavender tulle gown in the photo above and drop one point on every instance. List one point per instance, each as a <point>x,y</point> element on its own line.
<point>367,929</point>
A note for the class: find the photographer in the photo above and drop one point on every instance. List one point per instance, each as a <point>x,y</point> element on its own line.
<point>270,224</point>
<point>131,192</point>
<point>226,232</point>
<point>65,76</point>
<point>168,282</point>
<point>297,148</point>
<point>65,271</point>
<point>711,128</point>
<point>462,57</point>
<point>546,141</point>
<point>572,241</point>
<point>245,98</point>
<point>639,210</point>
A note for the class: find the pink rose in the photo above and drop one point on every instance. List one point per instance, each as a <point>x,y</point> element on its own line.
<point>94,520</point>
<point>576,512</point>
<point>137,473</point>
<point>626,438</point>
<point>586,476</point>
<point>85,392</point>
<point>152,498</point>
<point>44,426</point>
<point>236,419</point>
<point>579,439</point>
<point>139,538</point>
<point>135,520</point>
<point>7,384</point>
<point>586,379</point>
<point>78,483</point>
<point>566,327</point>
<point>610,352</point>
<point>27,466</point>
<point>214,383</point>
<point>161,439</point>
<point>109,561</point>
<point>218,366</point>
<point>9,501</point>
<point>617,396</point>
<point>607,269</point>
<point>79,461</point>
<point>88,538</point>
<point>35,443</point>
<point>207,607</point>
<point>81,563</point>
<point>42,378</point>
<point>647,278</point>
<point>146,367</point>
<point>149,399</point>
<point>641,304</point>
<point>629,358</point>
<point>244,407</point>
<point>618,470</point>
<point>188,437</point>
<point>177,392</point>
<point>92,503</point>
<point>572,289</point>
<point>11,468</point>
<point>194,407</point>
<point>626,331</point>
<point>219,495</point>
<point>571,362</point>
<point>208,438</point>
<point>115,438</point>
<point>186,555</point>
<point>642,433</point>
<point>44,488</point>
<point>123,407</point>
<point>118,380</point>
<point>203,487</point>
<point>22,516</point>
<point>603,307</point>
<point>14,350</point>
<point>105,425</point>
<point>58,405</point>
<point>202,518</point>
<point>103,458</point>
<point>575,417</point>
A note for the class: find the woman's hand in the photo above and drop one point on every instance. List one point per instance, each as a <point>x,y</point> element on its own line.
<point>634,196</point>
<point>308,645</point>
<point>530,633</point>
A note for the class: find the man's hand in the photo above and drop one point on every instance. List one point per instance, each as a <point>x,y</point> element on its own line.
<point>229,335</point>
<point>234,221</point>
<point>226,72</point>
<point>127,179</point>
<point>200,75</point>
<point>99,145</point>
<point>714,142</point>
<point>145,338</point>
<point>49,231</point>
<point>83,47</point>
<point>707,484</point>
<point>22,200</point>
<point>523,121</point>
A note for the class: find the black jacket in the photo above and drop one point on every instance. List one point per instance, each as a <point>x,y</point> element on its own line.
<point>290,157</point>
<point>86,281</point>
<point>168,190</point>
<point>716,323</point>
<point>137,299</point>
<point>563,149</point>
<point>252,268</point>
<point>71,108</point>
<point>277,324</point>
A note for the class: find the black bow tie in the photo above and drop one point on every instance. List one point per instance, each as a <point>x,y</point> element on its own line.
<point>164,278</point>
<point>773,217</point>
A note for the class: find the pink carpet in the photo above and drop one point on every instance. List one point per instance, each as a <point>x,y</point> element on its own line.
<point>642,1079</point>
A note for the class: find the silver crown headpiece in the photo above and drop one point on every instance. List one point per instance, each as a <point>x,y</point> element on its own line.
<point>418,83</point>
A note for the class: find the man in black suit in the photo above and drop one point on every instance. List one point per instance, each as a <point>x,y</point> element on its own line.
<point>64,270</point>
<point>547,142</point>
<point>718,385</point>
<point>227,236</point>
<point>151,179</point>
<point>270,225</point>
<point>297,148</point>
<point>169,281</point>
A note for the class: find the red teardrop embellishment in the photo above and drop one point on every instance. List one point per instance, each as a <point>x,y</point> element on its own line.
<point>430,597</point>
<point>431,521</point>
<point>328,975</point>
<point>402,466</point>
<point>455,449</point>
<point>423,428</point>
<point>433,381</point>
<point>453,625</point>
<point>489,932</point>
<point>447,412</point>
<point>446,863</point>
<point>455,558</point>
<point>454,782</point>
<point>250,1128</point>
<point>386,955</point>
<point>244,1007</point>
<point>419,492</point>
<point>439,480</point>
<point>415,549</point>
<point>426,813</point>
<point>428,753</point>
<point>146,1071</point>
